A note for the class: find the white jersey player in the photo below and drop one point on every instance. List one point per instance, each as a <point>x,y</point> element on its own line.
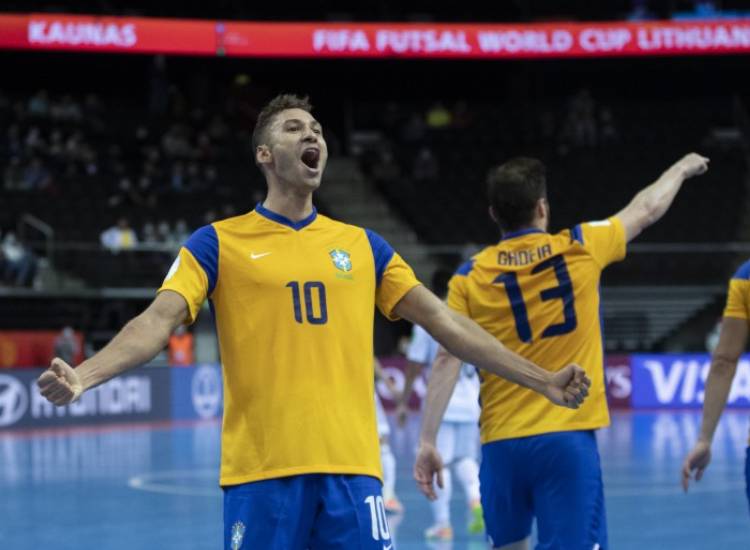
<point>457,440</point>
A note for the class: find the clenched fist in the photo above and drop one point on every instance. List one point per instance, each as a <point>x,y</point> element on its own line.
<point>60,383</point>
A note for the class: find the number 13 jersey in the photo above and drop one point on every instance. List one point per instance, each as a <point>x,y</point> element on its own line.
<point>294,309</point>
<point>538,294</point>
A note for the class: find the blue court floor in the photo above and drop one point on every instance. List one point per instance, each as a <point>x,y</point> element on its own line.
<point>154,487</point>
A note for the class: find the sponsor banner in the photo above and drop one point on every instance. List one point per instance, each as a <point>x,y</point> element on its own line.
<point>197,392</point>
<point>143,394</point>
<point>679,381</point>
<point>618,375</point>
<point>31,348</point>
<point>373,40</point>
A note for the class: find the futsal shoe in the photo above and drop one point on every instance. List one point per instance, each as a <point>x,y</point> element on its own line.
<point>393,505</point>
<point>476,519</point>
<point>439,532</point>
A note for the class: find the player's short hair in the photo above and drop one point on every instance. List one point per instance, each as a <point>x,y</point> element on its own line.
<point>281,102</point>
<point>514,189</point>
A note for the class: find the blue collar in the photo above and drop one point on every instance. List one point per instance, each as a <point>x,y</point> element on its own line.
<point>521,233</point>
<point>283,220</point>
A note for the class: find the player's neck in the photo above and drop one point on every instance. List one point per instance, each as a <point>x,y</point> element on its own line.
<point>291,205</point>
<point>533,227</point>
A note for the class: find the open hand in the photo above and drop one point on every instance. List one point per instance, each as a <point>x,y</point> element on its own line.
<point>428,464</point>
<point>696,461</point>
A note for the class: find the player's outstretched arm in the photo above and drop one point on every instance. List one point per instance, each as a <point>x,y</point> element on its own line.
<point>466,340</point>
<point>732,341</point>
<point>650,204</point>
<point>138,342</point>
<point>429,464</point>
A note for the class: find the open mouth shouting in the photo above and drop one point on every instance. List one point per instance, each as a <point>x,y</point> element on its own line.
<point>311,158</point>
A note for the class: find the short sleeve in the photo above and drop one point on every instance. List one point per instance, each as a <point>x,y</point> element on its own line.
<point>393,276</point>
<point>419,347</point>
<point>194,273</point>
<point>605,240</point>
<point>457,294</point>
<point>739,287</point>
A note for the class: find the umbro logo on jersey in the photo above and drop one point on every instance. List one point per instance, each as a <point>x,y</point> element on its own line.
<point>254,256</point>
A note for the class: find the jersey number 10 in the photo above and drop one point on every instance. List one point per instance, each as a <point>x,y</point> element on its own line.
<point>563,292</point>
<point>320,318</point>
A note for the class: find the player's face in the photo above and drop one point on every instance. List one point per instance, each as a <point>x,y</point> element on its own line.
<point>298,149</point>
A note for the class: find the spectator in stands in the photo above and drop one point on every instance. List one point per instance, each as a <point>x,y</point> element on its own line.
<point>35,176</point>
<point>67,110</point>
<point>462,116</point>
<point>181,231</point>
<point>19,263</point>
<point>39,105</point>
<point>438,116</point>
<point>181,347</point>
<point>119,237</point>
<point>426,167</point>
<point>158,93</point>
<point>67,346</point>
<point>413,129</point>
<point>148,234</point>
<point>13,177</point>
<point>385,168</point>
<point>607,130</point>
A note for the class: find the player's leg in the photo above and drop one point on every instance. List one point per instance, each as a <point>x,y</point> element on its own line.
<point>446,445</point>
<point>747,474</point>
<point>387,460</point>
<point>467,471</point>
<point>351,515</point>
<point>505,482</point>
<point>274,514</point>
<point>568,495</point>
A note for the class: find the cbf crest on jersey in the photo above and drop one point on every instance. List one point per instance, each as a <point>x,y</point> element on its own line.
<point>341,259</point>
<point>238,534</point>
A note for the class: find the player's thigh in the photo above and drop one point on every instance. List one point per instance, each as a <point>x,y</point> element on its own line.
<point>467,440</point>
<point>446,442</point>
<point>352,515</point>
<point>568,494</point>
<point>274,514</point>
<point>506,492</point>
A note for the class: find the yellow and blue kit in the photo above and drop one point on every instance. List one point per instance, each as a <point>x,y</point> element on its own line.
<point>538,294</point>
<point>294,310</point>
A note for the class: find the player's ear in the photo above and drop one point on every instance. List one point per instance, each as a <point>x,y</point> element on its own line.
<point>542,209</point>
<point>263,155</point>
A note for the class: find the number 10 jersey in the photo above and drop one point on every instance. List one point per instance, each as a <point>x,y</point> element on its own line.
<point>294,309</point>
<point>538,294</point>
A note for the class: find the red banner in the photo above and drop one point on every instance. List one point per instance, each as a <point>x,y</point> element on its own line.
<point>33,348</point>
<point>372,40</point>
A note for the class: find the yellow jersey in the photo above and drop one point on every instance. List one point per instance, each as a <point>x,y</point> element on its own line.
<point>293,304</point>
<point>738,294</point>
<point>538,294</point>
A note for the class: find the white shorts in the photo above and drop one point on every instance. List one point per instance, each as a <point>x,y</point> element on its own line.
<point>457,440</point>
<point>384,428</point>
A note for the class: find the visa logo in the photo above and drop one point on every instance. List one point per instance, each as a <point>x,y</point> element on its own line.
<point>680,381</point>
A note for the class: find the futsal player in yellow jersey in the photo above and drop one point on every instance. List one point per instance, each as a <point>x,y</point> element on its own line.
<point>538,294</point>
<point>293,294</point>
<point>732,342</point>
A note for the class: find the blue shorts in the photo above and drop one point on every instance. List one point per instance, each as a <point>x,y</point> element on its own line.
<point>315,511</point>
<point>554,477</point>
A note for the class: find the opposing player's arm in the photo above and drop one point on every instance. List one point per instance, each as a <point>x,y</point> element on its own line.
<point>138,342</point>
<point>732,342</point>
<point>650,204</point>
<point>467,341</point>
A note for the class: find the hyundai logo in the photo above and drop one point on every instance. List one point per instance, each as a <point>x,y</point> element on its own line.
<point>206,392</point>
<point>13,400</point>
